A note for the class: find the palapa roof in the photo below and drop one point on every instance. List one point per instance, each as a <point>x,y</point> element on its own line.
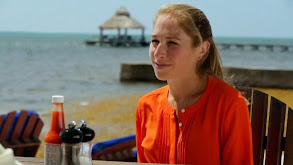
<point>121,20</point>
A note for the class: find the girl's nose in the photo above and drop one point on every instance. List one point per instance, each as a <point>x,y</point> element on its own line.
<point>161,51</point>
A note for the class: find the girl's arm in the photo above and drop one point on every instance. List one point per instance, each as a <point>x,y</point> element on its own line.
<point>236,135</point>
<point>139,138</point>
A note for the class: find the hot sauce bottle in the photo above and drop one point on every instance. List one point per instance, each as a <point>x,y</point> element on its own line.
<point>53,152</point>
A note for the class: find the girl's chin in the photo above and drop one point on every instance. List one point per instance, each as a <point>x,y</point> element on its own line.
<point>161,77</point>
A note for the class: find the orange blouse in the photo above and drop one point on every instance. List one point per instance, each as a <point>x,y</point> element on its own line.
<point>214,131</point>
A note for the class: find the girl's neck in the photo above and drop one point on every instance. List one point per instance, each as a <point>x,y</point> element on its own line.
<point>186,92</point>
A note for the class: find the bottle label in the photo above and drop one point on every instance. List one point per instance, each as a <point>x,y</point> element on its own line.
<point>53,154</point>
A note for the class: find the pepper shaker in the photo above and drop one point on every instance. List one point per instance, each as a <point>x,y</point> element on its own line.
<point>71,139</point>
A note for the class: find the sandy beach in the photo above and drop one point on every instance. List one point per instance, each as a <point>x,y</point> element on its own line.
<point>115,117</point>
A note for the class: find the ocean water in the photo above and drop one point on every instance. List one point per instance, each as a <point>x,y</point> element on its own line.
<point>33,67</point>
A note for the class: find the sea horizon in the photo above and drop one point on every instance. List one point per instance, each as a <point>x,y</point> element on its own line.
<point>97,34</point>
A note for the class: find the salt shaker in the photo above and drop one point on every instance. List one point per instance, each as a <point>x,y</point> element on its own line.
<point>71,139</point>
<point>85,156</point>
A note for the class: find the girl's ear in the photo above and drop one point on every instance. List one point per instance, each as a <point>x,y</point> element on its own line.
<point>205,45</point>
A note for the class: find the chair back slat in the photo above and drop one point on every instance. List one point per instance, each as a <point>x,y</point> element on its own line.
<point>19,125</point>
<point>38,128</point>
<point>258,124</point>
<point>30,125</point>
<point>275,132</point>
<point>288,158</point>
<point>7,125</point>
<point>1,121</point>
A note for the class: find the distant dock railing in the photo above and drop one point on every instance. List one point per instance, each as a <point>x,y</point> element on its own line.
<point>255,46</point>
<point>221,45</point>
<point>122,41</point>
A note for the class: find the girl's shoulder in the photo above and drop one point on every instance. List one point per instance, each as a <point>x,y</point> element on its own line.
<point>227,97</point>
<point>223,90</point>
<point>155,93</point>
<point>152,100</point>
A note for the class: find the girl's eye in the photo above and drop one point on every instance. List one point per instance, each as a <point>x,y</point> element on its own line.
<point>155,42</point>
<point>172,43</point>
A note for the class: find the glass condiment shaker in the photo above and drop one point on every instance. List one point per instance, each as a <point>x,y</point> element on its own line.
<point>71,139</point>
<point>86,145</point>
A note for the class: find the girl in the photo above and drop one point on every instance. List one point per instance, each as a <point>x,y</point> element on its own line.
<point>197,118</point>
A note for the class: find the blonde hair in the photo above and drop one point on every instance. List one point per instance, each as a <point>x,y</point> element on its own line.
<point>195,24</point>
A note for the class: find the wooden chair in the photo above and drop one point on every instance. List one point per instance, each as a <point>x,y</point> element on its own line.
<point>272,128</point>
<point>20,131</point>
<point>119,149</point>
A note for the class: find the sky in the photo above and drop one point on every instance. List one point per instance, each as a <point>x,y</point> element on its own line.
<point>229,18</point>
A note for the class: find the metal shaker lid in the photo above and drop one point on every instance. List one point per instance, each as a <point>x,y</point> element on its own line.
<point>88,133</point>
<point>71,135</point>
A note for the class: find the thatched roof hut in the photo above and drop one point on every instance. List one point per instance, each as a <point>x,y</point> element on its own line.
<point>121,20</point>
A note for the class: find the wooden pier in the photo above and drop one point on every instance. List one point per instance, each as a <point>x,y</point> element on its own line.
<point>116,42</point>
<point>255,46</point>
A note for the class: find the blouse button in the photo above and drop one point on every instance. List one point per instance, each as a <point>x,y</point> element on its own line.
<point>182,110</point>
<point>180,124</point>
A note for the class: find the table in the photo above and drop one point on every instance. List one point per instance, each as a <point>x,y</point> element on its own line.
<point>40,161</point>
